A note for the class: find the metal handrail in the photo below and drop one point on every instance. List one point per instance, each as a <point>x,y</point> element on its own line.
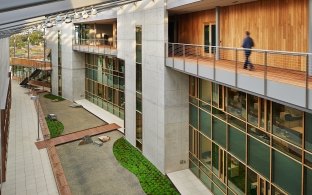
<point>243,49</point>
<point>270,64</point>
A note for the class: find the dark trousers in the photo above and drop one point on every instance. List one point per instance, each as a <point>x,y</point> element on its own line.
<point>247,62</point>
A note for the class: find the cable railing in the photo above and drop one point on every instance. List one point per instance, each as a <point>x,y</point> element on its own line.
<point>294,68</point>
<point>99,46</point>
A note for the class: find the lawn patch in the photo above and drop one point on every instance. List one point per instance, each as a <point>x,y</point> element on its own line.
<point>56,128</point>
<point>152,180</point>
<point>53,97</point>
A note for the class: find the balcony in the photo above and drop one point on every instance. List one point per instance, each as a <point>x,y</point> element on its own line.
<point>278,75</point>
<point>96,46</point>
<point>31,63</point>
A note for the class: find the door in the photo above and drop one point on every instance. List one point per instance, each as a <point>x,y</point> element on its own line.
<point>209,37</point>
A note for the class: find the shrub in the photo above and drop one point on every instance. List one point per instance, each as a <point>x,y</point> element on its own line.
<point>152,180</point>
<point>56,128</point>
<point>53,97</point>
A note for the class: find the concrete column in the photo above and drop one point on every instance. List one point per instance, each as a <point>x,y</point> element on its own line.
<point>217,32</point>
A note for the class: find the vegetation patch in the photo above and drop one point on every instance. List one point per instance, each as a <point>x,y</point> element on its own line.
<point>53,97</point>
<point>56,128</point>
<point>152,180</point>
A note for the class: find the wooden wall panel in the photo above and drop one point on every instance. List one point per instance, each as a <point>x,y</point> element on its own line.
<point>191,26</point>
<point>274,25</point>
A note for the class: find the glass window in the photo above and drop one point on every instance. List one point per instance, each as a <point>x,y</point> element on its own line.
<point>236,103</point>
<point>205,123</point>
<point>205,150</point>
<point>252,182</point>
<point>261,135</point>
<point>237,123</point>
<point>219,131</point>
<point>215,158</point>
<point>193,86</point>
<point>205,179</point>
<point>205,90</point>
<point>194,116</point>
<point>259,157</point>
<point>307,181</point>
<point>287,148</point>
<point>253,109</point>
<point>287,123</point>
<point>308,159</point>
<point>286,173</point>
<point>276,191</point>
<point>308,131</point>
<point>236,175</point>
<point>217,95</point>
<point>237,143</point>
<point>139,77</point>
<point>194,168</point>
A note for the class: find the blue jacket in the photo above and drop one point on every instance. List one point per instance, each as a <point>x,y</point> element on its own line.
<point>248,43</point>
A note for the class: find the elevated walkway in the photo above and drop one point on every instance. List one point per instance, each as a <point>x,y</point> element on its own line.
<point>278,75</point>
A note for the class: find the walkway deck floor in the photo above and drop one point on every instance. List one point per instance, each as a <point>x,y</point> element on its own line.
<point>28,169</point>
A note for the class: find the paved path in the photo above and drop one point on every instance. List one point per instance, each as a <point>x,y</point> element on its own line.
<point>28,169</point>
<point>73,119</point>
<point>94,170</point>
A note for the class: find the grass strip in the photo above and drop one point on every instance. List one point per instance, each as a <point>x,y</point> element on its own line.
<point>152,181</point>
<point>56,128</point>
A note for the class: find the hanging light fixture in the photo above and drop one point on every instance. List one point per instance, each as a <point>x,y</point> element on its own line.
<point>93,11</point>
<point>48,23</point>
<point>76,16</point>
<point>59,19</point>
<point>84,14</point>
<point>68,19</point>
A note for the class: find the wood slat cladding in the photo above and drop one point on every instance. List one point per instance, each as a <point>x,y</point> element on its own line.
<point>191,26</point>
<point>274,25</point>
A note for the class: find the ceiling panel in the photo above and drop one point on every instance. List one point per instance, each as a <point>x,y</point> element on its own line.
<point>9,5</point>
<point>204,5</point>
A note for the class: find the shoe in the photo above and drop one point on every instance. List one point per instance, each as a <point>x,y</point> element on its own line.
<point>245,67</point>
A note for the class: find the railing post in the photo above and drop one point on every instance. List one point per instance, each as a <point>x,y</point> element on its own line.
<point>236,63</point>
<point>265,73</point>
<point>166,55</point>
<point>307,82</point>
<point>173,55</point>
<point>183,57</point>
<point>214,67</point>
<point>196,59</point>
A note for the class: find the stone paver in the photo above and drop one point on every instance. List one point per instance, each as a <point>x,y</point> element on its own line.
<point>73,119</point>
<point>91,169</point>
<point>28,169</point>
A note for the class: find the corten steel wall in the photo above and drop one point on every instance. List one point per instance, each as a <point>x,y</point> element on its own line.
<point>5,122</point>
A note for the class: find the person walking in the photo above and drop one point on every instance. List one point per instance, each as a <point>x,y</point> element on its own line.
<point>248,44</point>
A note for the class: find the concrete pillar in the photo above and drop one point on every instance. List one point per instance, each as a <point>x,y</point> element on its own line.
<point>217,32</point>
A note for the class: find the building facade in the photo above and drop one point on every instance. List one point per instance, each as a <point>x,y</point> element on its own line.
<point>173,72</point>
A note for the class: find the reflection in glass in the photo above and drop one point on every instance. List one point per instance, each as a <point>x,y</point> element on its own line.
<point>219,131</point>
<point>259,134</point>
<point>287,123</point>
<point>236,103</point>
<point>308,181</point>
<point>236,175</point>
<point>286,173</point>
<point>308,131</point>
<point>287,148</point>
<point>205,90</point>
<point>237,143</point>
<point>205,150</point>
<point>205,123</point>
<point>259,157</point>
